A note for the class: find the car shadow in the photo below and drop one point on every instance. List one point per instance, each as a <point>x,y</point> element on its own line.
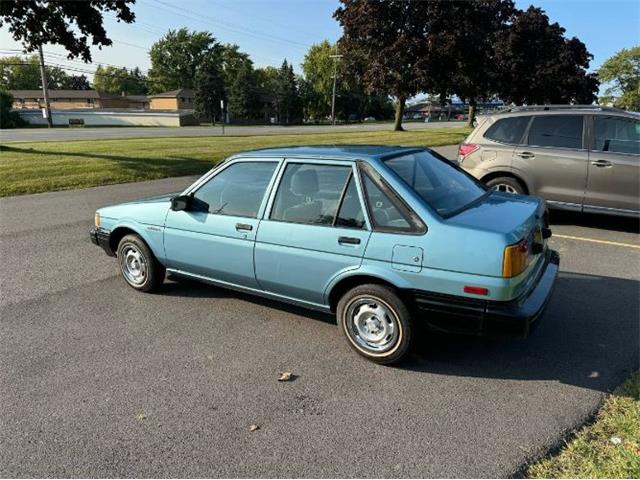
<point>589,335</point>
<point>592,220</point>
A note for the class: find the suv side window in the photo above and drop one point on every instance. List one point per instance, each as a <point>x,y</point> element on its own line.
<point>313,193</point>
<point>237,190</point>
<point>508,130</point>
<point>559,131</point>
<point>616,134</point>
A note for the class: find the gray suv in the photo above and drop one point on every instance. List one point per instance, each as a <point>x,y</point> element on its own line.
<point>581,158</point>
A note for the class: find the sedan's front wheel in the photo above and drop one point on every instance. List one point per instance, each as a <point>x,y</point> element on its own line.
<point>376,323</point>
<point>138,265</point>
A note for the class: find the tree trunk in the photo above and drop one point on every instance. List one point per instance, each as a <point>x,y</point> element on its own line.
<point>472,112</point>
<point>399,113</point>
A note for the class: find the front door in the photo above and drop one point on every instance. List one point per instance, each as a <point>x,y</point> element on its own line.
<point>215,237</point>
<point>315,230</point>
<point>614,164</point>
<point>554,159</point>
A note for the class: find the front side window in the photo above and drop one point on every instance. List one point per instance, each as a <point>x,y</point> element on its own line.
<point>508,130</point>
<point>616,134</point>
<point>559,131</point>
<point>310,193</point>
<point>442,186</point>
<point>238,190</point>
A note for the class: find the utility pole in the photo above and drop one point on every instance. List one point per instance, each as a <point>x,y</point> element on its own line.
<point>45,88</point>
<point>333,96</point>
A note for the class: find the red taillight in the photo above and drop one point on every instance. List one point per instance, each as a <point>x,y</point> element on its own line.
<point>476,290</point>
<point>467,148</point>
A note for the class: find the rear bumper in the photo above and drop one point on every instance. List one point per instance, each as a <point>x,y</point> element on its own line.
<point>101,237</point>
<point>515,318</point>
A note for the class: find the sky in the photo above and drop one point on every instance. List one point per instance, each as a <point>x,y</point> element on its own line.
<point>272,30</point>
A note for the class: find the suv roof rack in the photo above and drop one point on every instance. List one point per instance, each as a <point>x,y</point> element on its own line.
<point>530,108</point>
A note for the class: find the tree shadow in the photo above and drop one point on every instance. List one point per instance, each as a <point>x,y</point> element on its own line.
<point>589,335</point>
<point>593,220</point>
<point>168,166</point>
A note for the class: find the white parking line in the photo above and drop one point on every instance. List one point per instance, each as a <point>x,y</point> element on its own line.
<point>593,240</point>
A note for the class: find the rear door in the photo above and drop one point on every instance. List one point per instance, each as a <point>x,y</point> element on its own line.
<point>614,164</point>
<point>554,159</point>
<point>314,229</point>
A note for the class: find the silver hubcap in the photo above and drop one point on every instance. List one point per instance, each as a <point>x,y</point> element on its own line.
<point>372,324</point>
<point>133,265</point>
<point>503,187</point>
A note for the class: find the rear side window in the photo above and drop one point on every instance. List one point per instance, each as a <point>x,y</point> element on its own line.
<point>560,131</point>
<point>310,193</point>
<point>616,134</point>
<point>508,130</point>
<point>238,190</point>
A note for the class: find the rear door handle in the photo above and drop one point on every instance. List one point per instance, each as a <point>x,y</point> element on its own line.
<point>526,155</point>
<point>601,163</point>
<point>244,226</point>
<point>349,240</point>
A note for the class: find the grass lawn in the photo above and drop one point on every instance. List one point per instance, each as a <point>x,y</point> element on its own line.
<point>610,448</point>
<point>32,167</point>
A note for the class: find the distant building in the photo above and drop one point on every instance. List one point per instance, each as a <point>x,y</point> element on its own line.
<point>76,99</point>
<point>181,99</point>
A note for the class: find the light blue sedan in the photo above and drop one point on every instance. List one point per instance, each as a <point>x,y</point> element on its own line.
<point>383,236</point>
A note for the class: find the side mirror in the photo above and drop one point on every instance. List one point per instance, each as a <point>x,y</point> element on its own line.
<point>181,202</point>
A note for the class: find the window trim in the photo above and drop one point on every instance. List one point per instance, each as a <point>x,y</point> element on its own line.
<point>525,141</point>
<point>592,136</point>
<point>322,163</point>
<point>416,224</point>
<point>191,191</point>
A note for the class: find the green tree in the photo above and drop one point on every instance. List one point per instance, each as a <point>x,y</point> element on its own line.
<point>532,44</point>
<point>110,79</point>
<point>176,58</point>
<point>387,39</point>
<point>289,105</point>
<point>318,72</point>
<point>23,73</point>
<point>621,73</point>
<point>209,86</point>
<point>74,25</point>
<point>240,84</point>
<point>8,119</point>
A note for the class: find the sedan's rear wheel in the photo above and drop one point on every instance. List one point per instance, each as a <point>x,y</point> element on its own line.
<point>376,323</point>
<point>138,265</point>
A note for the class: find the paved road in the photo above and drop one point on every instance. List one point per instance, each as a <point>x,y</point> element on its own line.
<point>100,381</point>
<point>38,134</point>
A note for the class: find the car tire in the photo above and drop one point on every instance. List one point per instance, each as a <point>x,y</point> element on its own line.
<point>376,323</point>
<point>138,265</point>
<point>506,184</point>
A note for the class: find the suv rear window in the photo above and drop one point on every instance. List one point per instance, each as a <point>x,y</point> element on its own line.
<point>616,134</point>
<point>560,131</point>
<point>508,130</point>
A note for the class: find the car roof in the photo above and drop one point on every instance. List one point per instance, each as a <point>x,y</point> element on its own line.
<point>331,152</point>
<point>562,110</point>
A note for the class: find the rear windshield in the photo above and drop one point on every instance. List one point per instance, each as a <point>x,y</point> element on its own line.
<point>444,187</point>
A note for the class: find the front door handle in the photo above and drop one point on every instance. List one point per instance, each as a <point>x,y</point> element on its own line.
<point>602,163</point>
<point>526,155</point>
<point>349,240</point>
<point>244,226</point>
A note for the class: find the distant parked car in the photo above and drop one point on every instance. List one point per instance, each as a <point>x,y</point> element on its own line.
<point>370,119</point>
<point>581,158</point>
<point>382,236</point>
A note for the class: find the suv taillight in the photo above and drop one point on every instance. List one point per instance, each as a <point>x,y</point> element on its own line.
<point>466,148</point>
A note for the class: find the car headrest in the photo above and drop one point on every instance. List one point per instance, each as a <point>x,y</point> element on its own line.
<point>305,182</point>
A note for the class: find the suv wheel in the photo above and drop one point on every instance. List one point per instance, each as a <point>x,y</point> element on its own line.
<point>138,265</point>
<point>506,184</point>
<point>376,322</point>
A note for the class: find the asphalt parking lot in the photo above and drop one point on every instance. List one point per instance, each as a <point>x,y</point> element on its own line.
<point>98,380</point>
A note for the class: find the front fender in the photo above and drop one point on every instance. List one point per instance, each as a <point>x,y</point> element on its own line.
<point>151,234</point>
